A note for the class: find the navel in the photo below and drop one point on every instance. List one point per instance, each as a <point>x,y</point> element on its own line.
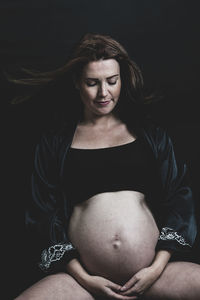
<point>116,242</point>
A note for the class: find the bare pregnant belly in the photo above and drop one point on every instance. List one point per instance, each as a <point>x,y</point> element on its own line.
<point>115,234</point>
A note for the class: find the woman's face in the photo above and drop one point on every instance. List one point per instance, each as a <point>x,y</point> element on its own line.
<point>100,86</point>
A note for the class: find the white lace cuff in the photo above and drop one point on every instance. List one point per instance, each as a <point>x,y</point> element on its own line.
<point>169,234</point>
<point>54,253</point>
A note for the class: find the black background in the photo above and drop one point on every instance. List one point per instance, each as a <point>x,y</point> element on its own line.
<point>162,37</point>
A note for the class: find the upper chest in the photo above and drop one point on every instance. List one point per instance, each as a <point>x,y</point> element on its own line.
<point>91,137</point>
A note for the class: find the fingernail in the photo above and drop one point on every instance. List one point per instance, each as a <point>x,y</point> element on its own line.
<point>123,288</point>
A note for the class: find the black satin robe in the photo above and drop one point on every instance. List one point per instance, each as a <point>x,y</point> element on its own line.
<point>48,212</point>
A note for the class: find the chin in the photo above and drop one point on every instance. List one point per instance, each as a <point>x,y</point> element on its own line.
<point>104,113</point>
<point>104,110</point>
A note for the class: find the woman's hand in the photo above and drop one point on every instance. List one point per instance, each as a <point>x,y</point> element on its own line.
<point>102,287</point>
<point>140,282</point>
<point>143,279</point>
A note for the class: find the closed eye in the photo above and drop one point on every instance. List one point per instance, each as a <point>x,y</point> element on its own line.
<point>94,83</point>
<point>112,83</point>
<point>91,84</point>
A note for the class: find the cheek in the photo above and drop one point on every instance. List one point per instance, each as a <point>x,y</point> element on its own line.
<point>117,90</point>
<point>88,94</point>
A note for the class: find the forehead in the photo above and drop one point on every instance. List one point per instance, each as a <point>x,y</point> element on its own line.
<point>101,68</point>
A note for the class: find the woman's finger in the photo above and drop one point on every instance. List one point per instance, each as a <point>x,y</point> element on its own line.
<point>129,284</point>
<point>134,290</point>
<point>114,286</point>
<point>113,295</point>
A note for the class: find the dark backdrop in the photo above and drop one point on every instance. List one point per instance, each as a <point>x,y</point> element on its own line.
<point>161,36</point>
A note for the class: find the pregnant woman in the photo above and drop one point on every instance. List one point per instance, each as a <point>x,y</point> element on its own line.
<point>111,204</point>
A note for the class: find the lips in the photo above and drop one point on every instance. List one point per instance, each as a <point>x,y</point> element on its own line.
<point>103,103</point>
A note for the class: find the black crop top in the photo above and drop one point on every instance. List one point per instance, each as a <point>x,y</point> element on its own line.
<point>125,167</point>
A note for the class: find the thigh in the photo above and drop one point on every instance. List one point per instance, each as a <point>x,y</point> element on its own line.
<point>179,281</point>
<point>59,286</point>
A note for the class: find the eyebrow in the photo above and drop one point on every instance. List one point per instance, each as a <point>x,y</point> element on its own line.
<point>106,78</point>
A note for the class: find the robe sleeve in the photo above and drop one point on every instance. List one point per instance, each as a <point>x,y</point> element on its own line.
<point>44,216</point>
<point>178,229</point>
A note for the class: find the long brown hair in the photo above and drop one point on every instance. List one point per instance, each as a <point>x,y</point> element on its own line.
<point>91,47</point>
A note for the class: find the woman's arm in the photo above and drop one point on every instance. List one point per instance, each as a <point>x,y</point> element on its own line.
<point>178,225</point>
<point>75,269</point>
<point>160,261</point>
<point>44,213</point>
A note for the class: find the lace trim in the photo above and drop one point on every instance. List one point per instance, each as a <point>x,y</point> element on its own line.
<point>54,253</point>
<point>169,234</point>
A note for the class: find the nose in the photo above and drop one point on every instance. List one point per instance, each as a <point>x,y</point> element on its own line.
<point>103,90</point>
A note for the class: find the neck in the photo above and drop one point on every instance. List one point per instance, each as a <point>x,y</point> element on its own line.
<point>100,121</point>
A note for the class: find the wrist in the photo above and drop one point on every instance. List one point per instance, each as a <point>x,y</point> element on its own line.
<point>157,269</point>
<point>75,269</point>
<point>84,279</point>
<point>160,261</point>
